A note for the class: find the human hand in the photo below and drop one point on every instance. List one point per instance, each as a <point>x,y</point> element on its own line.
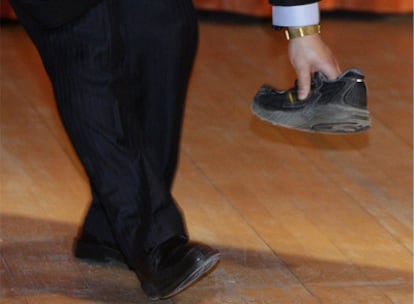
<point>308,55</point>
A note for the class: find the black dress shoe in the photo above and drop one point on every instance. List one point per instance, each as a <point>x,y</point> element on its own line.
<point>174,265</point>
<point>90,248</point>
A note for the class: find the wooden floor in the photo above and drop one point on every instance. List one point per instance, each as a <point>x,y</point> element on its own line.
<point>299,218</point>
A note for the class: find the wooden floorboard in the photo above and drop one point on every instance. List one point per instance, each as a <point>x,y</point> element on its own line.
<point>298,218</point>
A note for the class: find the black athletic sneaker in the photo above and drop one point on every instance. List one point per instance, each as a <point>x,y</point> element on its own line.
<point>333,106</point>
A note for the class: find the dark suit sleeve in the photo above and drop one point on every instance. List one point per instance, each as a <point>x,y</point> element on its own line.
<point>291,2</point>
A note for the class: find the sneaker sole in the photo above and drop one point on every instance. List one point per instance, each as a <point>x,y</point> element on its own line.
<point>332,119</point>
<point>194,276</point>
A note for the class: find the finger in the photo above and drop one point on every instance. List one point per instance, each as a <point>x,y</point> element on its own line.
<point>304,83</point>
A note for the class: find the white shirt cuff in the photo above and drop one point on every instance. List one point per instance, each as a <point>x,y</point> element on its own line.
<point>299,15</point>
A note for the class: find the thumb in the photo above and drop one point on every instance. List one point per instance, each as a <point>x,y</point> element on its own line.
<point>304,83</point>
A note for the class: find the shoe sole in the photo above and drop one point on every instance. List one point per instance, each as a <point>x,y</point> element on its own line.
<point>332,119</point>
<point>202,269</point>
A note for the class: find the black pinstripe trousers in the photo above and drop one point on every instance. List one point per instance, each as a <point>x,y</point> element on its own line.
<point>119,75</point>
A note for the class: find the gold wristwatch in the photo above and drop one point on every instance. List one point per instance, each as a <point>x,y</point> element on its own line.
<point>302,31</point>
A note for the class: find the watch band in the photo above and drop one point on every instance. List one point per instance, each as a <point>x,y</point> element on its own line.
<point>302,31</point>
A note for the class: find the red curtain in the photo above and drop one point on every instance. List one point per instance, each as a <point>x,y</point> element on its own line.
<point>262,8</point>
<point>376,6</point>
<point>6,10</point>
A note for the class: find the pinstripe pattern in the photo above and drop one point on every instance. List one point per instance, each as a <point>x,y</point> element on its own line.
<point>119,75</point>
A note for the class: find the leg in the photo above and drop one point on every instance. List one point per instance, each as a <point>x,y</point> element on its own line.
<point>159,73</point>
<point>158,77</point>
<point>86,60</point>
<point>120,93</point>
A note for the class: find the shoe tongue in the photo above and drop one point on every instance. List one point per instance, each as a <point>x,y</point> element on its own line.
<point>353,73</point>
<point>319,77</point>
